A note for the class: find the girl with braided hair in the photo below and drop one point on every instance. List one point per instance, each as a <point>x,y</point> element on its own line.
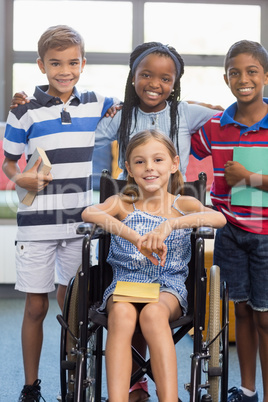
<point>132,100</point>
<point>152,101</point>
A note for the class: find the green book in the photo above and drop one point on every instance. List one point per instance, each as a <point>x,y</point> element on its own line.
<point>255,159</point>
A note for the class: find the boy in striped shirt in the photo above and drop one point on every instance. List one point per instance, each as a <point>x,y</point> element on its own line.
<point>241,247</point>
<point>62,121</point>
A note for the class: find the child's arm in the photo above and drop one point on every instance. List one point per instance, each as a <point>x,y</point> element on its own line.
<point>236,173</point>
<point>108,216</point>
<point>196,215</point>
<point>208,105</point>
<point>20,98</point>
<point>31,180</point>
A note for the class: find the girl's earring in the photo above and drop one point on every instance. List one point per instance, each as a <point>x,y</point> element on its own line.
<point>133,83</point>
<point>173,90</point>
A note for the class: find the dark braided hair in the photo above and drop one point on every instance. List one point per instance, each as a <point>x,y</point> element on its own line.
<point>131,101</point>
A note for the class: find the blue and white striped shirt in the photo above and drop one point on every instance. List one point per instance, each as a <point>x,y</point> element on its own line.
<point>68,143</point>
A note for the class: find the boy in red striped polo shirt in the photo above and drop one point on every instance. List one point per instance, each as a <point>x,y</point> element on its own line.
<point>241,246</point>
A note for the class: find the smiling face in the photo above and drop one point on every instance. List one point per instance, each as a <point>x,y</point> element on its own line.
<point>246,78</point>
<point>63,69</point>
<point>154,80</point>
<point>150,164</point>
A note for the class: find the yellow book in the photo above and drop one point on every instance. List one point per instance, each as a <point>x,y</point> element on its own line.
<point>136,292</point>
<point>27,197</point>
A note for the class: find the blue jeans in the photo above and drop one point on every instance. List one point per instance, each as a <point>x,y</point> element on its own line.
<point>243,260</point>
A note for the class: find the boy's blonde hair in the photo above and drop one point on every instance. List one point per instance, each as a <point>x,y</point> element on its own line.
<point>176,180</point>
<point>60,37</point>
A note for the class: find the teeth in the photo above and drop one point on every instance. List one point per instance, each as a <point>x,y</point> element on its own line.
<point>150,177</point>
<point>152,93</point>
<point>245,89</point>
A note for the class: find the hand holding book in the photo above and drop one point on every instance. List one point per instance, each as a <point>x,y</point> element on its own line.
<point>34,178</point>
<point>235,172</point>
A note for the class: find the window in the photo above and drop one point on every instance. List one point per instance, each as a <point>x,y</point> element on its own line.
<point>102,34</point>
<point>201,32</point>
<point>203,29</point>
<point>99,22</point>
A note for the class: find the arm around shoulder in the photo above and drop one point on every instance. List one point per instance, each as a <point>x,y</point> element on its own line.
<point>106,131</point>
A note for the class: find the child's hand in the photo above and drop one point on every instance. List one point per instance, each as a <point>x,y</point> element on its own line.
<point>31,180</point>
<point>20,98</point>
<point>111,112</point>
<point>235,173</point>
<point>148,252</point>
<point>153,241</point>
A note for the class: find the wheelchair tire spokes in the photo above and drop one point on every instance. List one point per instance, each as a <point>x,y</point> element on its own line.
<point>91,369</point>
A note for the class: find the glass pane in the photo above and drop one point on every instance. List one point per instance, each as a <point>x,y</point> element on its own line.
<point>201,28</point>
<point>206,84</point>
<point>106,80</point>
<point>99,22</point>
<point>26,77</point>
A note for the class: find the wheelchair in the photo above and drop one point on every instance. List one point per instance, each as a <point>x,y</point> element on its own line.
<point>81,349</point>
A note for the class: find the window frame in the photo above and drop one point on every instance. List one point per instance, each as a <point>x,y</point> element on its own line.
<point>8,56</point>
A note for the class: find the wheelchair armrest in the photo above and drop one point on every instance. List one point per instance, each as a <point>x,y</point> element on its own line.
<point>204,232</point>
<point>91,229</point>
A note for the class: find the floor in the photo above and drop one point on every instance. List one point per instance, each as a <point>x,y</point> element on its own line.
<point>11,368</point>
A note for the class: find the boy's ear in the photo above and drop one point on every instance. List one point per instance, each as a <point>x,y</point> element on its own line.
<point>266,78</point>
<point>176,164</point>
<point>128,169</point>
<point>83,64</point>
<point>226,79</point>
<point>41,65</point>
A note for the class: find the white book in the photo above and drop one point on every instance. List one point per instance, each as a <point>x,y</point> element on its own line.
<point>25,196</point>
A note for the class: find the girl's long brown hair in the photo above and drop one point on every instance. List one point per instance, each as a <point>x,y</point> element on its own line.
<point>176,180</point>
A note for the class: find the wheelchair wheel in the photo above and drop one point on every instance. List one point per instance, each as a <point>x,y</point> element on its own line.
<point>68,343</point>
<point>225,341</point>
<point>214,365</point>
<point>73,326</point>
<point>80,363</point>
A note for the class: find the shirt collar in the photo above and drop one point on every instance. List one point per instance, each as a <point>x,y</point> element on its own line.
<point>229,113</point>
<point>44,98</point>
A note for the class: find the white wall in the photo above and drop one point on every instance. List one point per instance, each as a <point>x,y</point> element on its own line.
<point>7,252</point>
<point>8,230</point>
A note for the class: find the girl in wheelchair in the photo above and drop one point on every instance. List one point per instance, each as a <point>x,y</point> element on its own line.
<point>150,227</point>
